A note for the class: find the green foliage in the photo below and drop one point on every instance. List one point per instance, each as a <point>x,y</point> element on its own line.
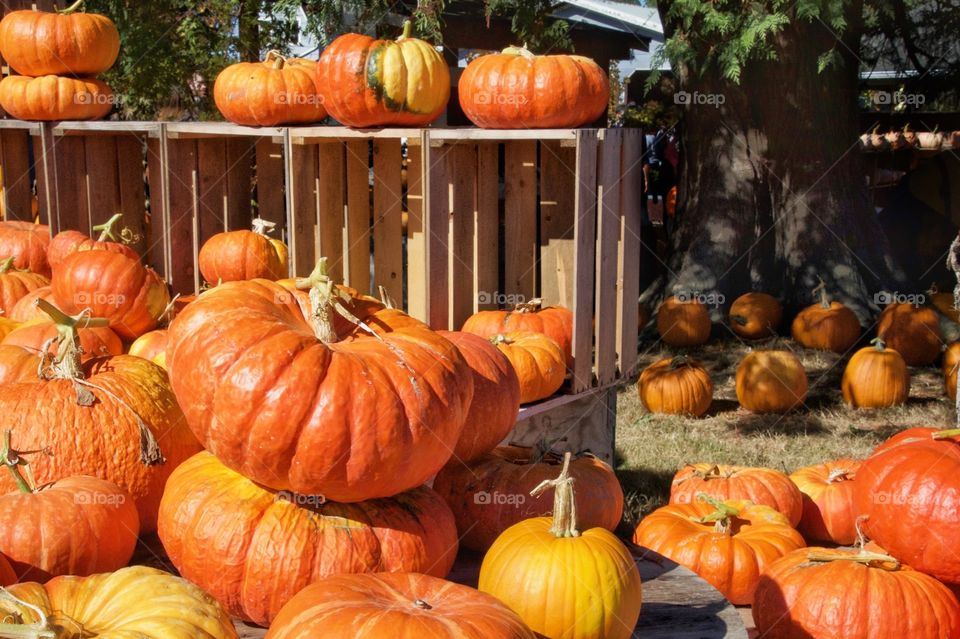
<point>529,22</point>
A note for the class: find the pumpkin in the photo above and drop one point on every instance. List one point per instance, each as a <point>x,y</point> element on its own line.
<point>727,542</point>
<point>492,493</point>
<point>373,606</point>
<point>26,308</point>
<point>125,424</point>
<point>556,322</point>
<point>316,404</point>
<point>755,315</point>
<point>6,326</point>
<point>916,434</point>
<point>65,42</point>
<point>909,489</point>
<point>515,89</point>
<point>34,335</point>
<point>496,396</point>
<point>367,82</point>
<point>151,346</point>
<point>823,593</point>
<point>951,360</point>
<point>944,303</point>
<point>54,98</point>
<point>242,255</point>
<point>676,386</point>
<point>110,238</point>
<point>75,526</point>
<point>27,244</point>
<point>219,528</point>
<point>538,360</point>
<point>683,323</point>
<point>826,326</point>
<point>114,286</point>
<point>829,513</point>
<point>137,602</point>
<point>564,582</point>
<point>276,91</point>
<point>14,284</point>
<point>912,331</point>
<point>875,377</point>
<point>18,365</point>
<point>771,382</point>
<point>762,486</point>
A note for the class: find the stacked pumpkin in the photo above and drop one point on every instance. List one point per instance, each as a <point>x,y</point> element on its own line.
<point>57,56</point>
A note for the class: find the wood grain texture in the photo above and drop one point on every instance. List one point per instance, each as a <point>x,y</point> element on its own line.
<point>463,185</point>
<point>270,204</point>
<point>486,228</point>
<point>357,240</point>
<point>416,237</point>
<point>520,218</point>
<point>628,294</point>
<point>132,186</point>
<point>15,161</point>
<point>239,154</point>
<point>584,262</point>
<point>387,218</point>
<point>608,237</point>
<point>70,163</point>
<point>558,181</point>
<point>437,222</point>
<point>158,243</point>
<point>302,207</point>
<point>182,188</point>
<point>332,187</point>
<point>212,196</point>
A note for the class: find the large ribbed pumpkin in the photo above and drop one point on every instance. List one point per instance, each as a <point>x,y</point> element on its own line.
<point>763,486</point>
<point>111,237</point>
<point>875,377</point>
<point>755,315</point>
<point>556,322</point>
<point>829,593</point>
<point>52,98</point>
<point>253,548</point>
<point>395,605</point>
<point>727,542</point>
<point>367,82</point>
<point>26,308</point>
<point>316,404</point>
<point>96,341</point>
<point>27,244</point>
<point>65,42</point>
<point>138,601</point>
<point>912,331</point>
<point>829,512</point>
<point>826,326</point>
<point>111,285</point>
<point>538,360</point>
<point>242,255</point>
<point>516,89</point>
<point>151,346</point>
<point>492,493</point>
<point>276,91</point>
<point>14,284</point>
<point>18,365</point>
<point>676,386</point>
<point>771,382</point>
<point>496,396</point>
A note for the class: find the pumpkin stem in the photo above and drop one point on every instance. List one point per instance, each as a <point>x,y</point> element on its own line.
<point>13,459</point>
<point>6,265</point>
<point>66,363</point>
<point>261,226</point>
<point>407,30</point>
<point>422,605</point>
<point>680,361</point>
<point>530,306</point>
<point>325,300</point>
<point>73,8</point>
<point>739,320</point>
<point>108,229</point>
<point>500,338</point>
<point>42,629</point>
<point>564,501</point>
<point>276,58</point>
<point>946,434</point>
<point>863,556</point>
<point>838,473</point>
<point>385,297</point>
<point>720,517</point>
<point>820,290</point>
<point>878,343</point>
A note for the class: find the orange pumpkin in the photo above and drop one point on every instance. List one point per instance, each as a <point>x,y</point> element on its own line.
<point>496,396</point>
<point>492,493</point>
<point>826,326</point>
<point>110,238</point>
<point>829,513</point>
<point>276,91</point>
<point>683,323</point>
<point>220,528</point>
<point>367,82</point>
<point>771,382</point>
<point>944,303</point>
<point>763,486</point>
<point>729,543</point>
<point>27,244</point>
<point>912,331</point>
<point>516,89</point>
<point>26,308</point>
<point>18,365</point>
<point>6,326</point>
<point>95,341</point>
<point>242,255</point>
<point>14,284</point>
<point>676,386</point>
<point>538,360</point>
<point>395,605</point>
<point>875,377</point>
<point>755,315</point>
<point>556,322</point>
<point>951,360</point>
<point>151,346</point>
<point>53,98</point>
<point>65,42</point>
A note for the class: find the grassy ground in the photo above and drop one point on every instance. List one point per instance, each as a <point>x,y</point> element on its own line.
<point>650,448</point>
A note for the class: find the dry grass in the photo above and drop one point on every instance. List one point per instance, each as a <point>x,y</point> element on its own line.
<point>650,448</point>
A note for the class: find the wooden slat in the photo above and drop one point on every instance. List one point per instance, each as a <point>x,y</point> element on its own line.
<point>387,218</point>
<point>72,208</point>
<point>330,225</point>
<point>212,197</point>
<point>357,240</point>
<point>130,182</point>
<point>463,215</point>
<point>486,228</point>
<point>270,205</point>
<point>584,262</point>
<point>46,179</point>
<point>158,254</point>
<point>102,189</point>
<point>182,187</point>
<point>557,185</point>
<point>416,242</point>
<point>239,161</point>
<point>608,237</point>
<point>629,254</point>
<point>437,223</point>
<point>520,218</point>
<point>17,196</point>
<point>302,207</point>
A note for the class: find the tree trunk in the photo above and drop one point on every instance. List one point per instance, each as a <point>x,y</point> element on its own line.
<point>248,31</point>
<point>771,196</point>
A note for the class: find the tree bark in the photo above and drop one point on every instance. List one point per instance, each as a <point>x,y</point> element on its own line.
<point>772,196</point>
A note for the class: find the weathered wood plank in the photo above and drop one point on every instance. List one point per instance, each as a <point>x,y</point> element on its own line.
<point>463,185</point>
<point>557,194</point>
<point>182,188</point>
<point>582,422</point>
<point>102,188</point>
<point>46,178</point>
<point>270,204</point>
<point>15,162</point>
<point>238,178</point>
<point>608,235</point>
<point>212,197</point>
<point>387,218</point>
<point>331,187</point>
<point>158,243</point>
<point>72,206</point>
<point>416,240</point>
<point>437,222</point>
<point>629,253</point>
<point>584,260</point>
<point>130,181</point>
<point>486,228</point>
<point>302,207</point>
<point>520,218</point>
<point>357,241</point>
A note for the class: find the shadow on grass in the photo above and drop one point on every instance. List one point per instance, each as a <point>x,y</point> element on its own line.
<point>644,490</point>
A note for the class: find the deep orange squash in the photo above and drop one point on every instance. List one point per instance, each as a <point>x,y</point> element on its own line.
<point>14,284</point>
<point>111,238</point>
<point>771,382</point>
<point>151,346</point>
<point>538,360</point>
<point>95,341</point>
<point>755,315</point>
<point>556,322</point>
<point>875,377</point>
<point>826,326</point>
<point>276,91</point>
<point>27,244</point>
<point>18,365</point>
<point>676,386</point>
<point>54,98</point>
<point>829,513</point>
<point>243,255</point>
<point>26,307</point>
<point>950,365</point>
<point>912,331</point>
<point>763,486</point>
<point>683,323</point>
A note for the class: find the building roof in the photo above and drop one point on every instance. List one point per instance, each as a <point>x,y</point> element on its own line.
<point>629,17</point>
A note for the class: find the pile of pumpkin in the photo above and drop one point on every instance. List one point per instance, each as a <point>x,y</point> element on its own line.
<point>283,460</point>
<point>745,531</point>
<point>774,381</point>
